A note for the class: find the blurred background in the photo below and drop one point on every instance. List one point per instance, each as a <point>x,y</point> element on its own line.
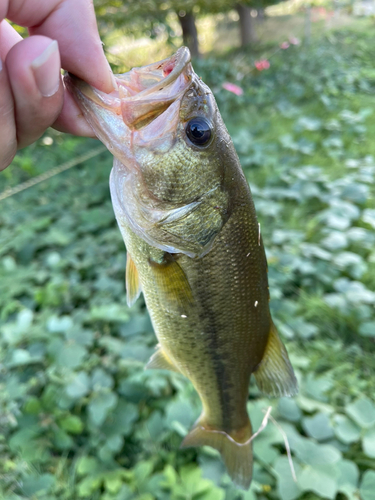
<point>79,417</point>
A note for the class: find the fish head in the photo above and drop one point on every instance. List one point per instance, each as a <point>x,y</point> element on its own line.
<point>171,150</point>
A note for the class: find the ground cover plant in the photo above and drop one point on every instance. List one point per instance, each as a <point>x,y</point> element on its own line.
<point>80,418</point>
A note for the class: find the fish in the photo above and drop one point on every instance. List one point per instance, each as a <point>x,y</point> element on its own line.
<point>194,246</point>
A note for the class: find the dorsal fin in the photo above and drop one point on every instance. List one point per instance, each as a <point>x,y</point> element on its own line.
<point>133,285</point>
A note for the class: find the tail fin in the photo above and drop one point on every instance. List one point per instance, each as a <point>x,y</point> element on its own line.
<point>237,456</point>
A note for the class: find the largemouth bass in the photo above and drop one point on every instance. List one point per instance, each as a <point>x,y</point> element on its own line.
<point>194,246</point>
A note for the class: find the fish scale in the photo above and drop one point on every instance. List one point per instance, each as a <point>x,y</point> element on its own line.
<point>194,247</point>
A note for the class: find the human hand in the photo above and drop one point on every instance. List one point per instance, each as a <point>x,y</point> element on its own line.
<point>32,96</point>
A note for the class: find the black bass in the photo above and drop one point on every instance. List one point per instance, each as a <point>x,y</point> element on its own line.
<point>194,246</point>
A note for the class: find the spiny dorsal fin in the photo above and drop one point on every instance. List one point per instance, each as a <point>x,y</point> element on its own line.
<point>172,284</point>
<point>160,361</point>
<point>275,376</point>
<point>133,285</point>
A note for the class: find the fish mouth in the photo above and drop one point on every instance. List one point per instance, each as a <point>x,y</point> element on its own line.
<point>142,95</point>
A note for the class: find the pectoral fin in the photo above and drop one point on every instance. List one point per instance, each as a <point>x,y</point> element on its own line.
<point>133,285</point>
<point>160,361</point>
<point>275,375</point>
<point>172,285</point>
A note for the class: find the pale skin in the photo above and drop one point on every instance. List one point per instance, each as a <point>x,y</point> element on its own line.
<point>63,34</point>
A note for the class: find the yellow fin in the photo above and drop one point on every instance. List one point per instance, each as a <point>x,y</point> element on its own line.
<point>237,456</point>
<point>172,284</point>
<point>133,285</point>
<point>275,375</point>
<point>160,361</point>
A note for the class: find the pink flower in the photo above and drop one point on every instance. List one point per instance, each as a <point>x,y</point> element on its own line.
<point>262,64</point>
<point>231,87</point>
<point>294,41</point>
<point>284,45</point>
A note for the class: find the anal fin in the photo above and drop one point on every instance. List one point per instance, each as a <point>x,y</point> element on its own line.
<point>133,285</point>
<point>160,361</point>
<point>275,376</point>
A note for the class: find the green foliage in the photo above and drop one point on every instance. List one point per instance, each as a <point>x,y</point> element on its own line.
<point>159,18</point>
<point>81,419</point>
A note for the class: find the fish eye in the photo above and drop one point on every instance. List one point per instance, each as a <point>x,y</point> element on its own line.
<point>198,130</point>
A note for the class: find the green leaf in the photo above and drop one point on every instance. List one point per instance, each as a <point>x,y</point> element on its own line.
<point>335,241</point>
<point>317,386</point>
<point>32,485</point>
<point>112,481</point>
<point>318,426</point>
<point>62,440</point>
<point>21,357</point>
<point>368,442</point>
<point>61,324</point>
<point>317,454</point>
<point>24,320</point>
<point>349,474</point>
<point>32,406</point>
<point>212,467</point>
<point>179,410</point>
<point>71,355</point>
<point>287,488</point>
<point>100,405</point>
<point>321,479</point>
<point>362,412</point>
<point>79,386</point>
<point>367,488</point>
<point>309,123</point>
<point>213,494</point>
<point>101,380</point>
<point>367,329</point>
<point>171,476</point>
<point>72,424</point>
<point>89,485</point>
<point>142,471</point>
<point>262,448</point>
<point>121,420</point>
<point>346,430</point>
<point>192,482</point>
<point>288,409</point>
<point>87,465</point>
<point>369,216</point>
<point>111,312</point>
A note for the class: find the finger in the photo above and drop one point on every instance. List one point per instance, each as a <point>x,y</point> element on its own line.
<point>33,67</point>
<point>8,38</point>
<point>72,23</point>
<point>71,119</point>
<point>8,139</point>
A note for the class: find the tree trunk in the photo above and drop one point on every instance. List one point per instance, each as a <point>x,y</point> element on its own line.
<point>189,32</point>
<point>247,27</point>
<point>261,15</point>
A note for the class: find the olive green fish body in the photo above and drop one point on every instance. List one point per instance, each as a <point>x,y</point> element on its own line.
<point>218,338</point>
<point>194,246</point>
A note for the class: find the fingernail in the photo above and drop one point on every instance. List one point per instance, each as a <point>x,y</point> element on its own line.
<point>46,69</point>
<point>114,83</point>
<point>113,79</point>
